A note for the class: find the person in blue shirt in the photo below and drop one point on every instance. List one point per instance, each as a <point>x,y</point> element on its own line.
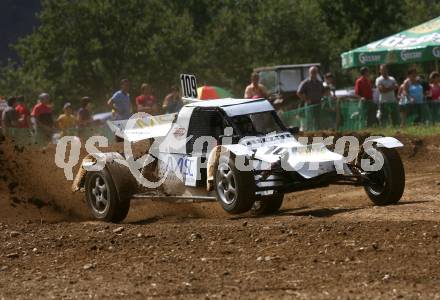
<point>413,91</point>
<point>172,102</point>
<point>120,102</point>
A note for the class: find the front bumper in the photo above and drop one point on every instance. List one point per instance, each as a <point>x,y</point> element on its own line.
<point>291,181</point>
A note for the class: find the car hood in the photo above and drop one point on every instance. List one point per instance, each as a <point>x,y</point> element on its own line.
<point>308,160</point>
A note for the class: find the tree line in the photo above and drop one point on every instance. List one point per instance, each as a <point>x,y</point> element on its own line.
<point>85,47</point>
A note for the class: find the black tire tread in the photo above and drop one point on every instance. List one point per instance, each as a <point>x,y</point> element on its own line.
<point>396,186</point>
<point>121,185</point>
<point>269,205</point>
<point>246,196</point>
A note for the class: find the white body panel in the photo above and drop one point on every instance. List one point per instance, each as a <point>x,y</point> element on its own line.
<point>175,140</point>
<point>138,129</point>
<point>308,160</point>
<point>388,142</point>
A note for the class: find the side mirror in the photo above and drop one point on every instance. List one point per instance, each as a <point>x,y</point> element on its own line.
<point>293,130</point>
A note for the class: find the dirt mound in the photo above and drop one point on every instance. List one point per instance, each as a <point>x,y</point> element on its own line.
<point>32,187</point>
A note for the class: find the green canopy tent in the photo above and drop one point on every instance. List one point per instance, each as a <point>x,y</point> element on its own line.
<point>417,44</point>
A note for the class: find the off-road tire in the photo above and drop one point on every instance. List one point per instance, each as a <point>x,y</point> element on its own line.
<point>268,205</point>
<point>235,189</point>
<point>117,191</point>
<point>392,177</point>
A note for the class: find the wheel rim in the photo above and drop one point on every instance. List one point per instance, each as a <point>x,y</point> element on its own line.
<point>226,184</point>
<point>377,179</point>
<point>99,194</point>
<point>378,182</point>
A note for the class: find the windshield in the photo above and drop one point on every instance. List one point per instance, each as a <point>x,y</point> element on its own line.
<point>257,124</point>
<point>290,80</point>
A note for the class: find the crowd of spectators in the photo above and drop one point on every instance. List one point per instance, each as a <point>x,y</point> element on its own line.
<point>413,97</point>
<point>381,102</point>
<point>40,125</point>
<point>146,102</point>
<point>390,105</point>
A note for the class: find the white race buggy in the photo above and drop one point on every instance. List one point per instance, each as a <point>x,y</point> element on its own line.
<point>234,151</point>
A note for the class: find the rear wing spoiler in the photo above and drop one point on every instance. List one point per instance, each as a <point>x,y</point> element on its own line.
<point>141,128</point>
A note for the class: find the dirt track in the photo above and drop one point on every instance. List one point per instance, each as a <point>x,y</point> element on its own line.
<point>326,243</point>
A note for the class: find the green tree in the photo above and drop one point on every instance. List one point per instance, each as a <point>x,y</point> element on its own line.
<point>248,34</point>
<point>417,12</point>
<point>86,47</point>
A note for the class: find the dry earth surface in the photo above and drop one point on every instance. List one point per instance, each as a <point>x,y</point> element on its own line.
<point>325,244</point>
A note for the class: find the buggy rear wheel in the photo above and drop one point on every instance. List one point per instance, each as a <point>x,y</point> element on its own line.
<point>103,198</point>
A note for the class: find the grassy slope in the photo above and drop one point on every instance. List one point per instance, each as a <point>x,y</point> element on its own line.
<point>421,131</point>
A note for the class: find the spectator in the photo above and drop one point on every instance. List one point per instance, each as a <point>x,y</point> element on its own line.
<point>389,108</point>
<point>10,118</point>
<point>328,109</point>
<point>329,81</point>
<point>425,84</point>
<point>24,115</point>
<point>84,119</point>
<point>413,96</point>
<point>43,115</point>
<point>3,106</point>
<point>146,102</point>
<point>255,89</point>
<point>403,105</point>
<point>120,102</point>
<point>84,116</point>
<point>434,92</point>
<point>66,121</point>
<point>364,90</point>
<point>172,102</point>
<point>310,91</point>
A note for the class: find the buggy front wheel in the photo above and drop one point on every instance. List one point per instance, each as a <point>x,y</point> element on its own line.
<point>386,186</point>
<point>235,189</point>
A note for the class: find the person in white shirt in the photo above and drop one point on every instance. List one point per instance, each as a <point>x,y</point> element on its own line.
<point>388,105</point>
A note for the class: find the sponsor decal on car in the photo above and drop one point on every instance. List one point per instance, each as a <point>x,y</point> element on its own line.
<point>179,131</point>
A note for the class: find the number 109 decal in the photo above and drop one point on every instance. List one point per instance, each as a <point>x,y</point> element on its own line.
<point>189,85</point>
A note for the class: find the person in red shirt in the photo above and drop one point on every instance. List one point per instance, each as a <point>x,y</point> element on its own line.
<point>146,102</point>
<point>44,123</point>
<point>24,115</point>
<point>363,88</point>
